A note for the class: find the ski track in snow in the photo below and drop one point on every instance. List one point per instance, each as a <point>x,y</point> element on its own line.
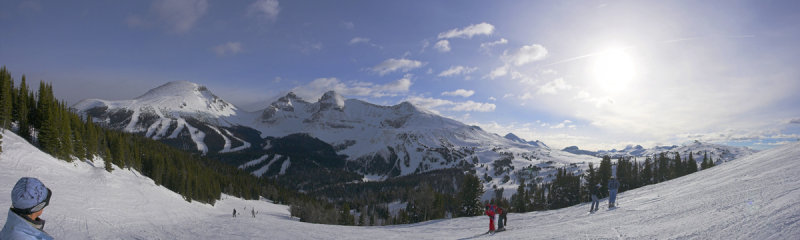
<point>755,197</point>
<point>245,144</point>
<point>225,147</point>
<point>264,169</point>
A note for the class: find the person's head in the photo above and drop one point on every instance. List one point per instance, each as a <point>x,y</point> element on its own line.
<point>29,197</point>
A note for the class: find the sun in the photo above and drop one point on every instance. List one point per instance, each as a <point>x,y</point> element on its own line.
<point>613,70</point>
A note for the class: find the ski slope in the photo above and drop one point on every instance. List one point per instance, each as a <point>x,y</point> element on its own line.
<point>756,197</point>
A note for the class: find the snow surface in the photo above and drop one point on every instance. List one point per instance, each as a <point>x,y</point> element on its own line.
<point>755,197</point>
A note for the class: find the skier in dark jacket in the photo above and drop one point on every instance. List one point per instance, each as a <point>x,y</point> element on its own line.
<point>595,198</point>
<point>234,212</point>
<point>613,185</point>
<point>502,220</point>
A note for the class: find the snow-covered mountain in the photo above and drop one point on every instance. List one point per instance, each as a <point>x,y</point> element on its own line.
<point>173,110</point>
<point>754,197</point>
<point>719,153</point>
<point>515,138</point>
<point>378,141</point>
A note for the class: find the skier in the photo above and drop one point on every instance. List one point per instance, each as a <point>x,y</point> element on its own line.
<point>490,212</point>
<point>613,185</point>
<point>595,198</point>
<point>234,212</point>
<point>29,197</point>
<point>253,211</point>
<point>501,221</point>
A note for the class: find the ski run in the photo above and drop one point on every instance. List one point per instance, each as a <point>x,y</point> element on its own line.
<point>755,197</point>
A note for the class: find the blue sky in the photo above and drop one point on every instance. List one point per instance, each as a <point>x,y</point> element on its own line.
<point>596,74</point>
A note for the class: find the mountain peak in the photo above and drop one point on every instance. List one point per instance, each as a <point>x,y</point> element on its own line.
<point>173,88</point>
<point>515,138</point>
<point>331,99</point>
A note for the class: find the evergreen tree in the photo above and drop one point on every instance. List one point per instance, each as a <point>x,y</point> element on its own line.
<point>691,164</point>
<point>706,164</point>
<point>604,173</point>
<point>22,109</point>
<point>518,200</point>
<point>5,98</point>
<point>470,197</point>
<point>647,172</point>
<point>677,166</point>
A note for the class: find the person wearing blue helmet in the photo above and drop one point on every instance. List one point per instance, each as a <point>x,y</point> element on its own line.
<point>29,197</point>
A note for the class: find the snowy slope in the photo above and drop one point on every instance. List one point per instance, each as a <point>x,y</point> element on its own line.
<point>750,198</point>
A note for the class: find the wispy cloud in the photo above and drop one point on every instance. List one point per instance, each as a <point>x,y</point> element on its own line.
<point>457,70</point>
<point>498,72</point>
<point>180,16</point>
<point>525,54</point>
<point>229,48</point>
<point>459,92</point>
<point>392,65</point>
<point>442,46</point>
<point>313,90</point>
<point>469,31</point>
<point>435,104</point>
<point>795,121</point>
<point>554,86</point>
<point>488,45</point>
<point>265,11</point>
<point>357,40</point>
<point>348,25</point>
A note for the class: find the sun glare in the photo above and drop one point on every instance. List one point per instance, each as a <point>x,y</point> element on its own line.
<point>613,70</point>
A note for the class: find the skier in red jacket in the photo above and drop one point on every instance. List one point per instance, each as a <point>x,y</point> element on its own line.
<point>490,212</point>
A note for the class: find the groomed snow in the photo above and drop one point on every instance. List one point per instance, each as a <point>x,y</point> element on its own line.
<point>751,198</point>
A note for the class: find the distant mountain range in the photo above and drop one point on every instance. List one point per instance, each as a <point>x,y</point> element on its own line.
<point>375,142</point>
<point>718,152</point>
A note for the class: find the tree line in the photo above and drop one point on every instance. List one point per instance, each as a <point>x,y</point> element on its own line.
<point>568,189</point>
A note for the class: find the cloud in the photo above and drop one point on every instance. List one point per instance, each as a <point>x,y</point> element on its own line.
<point>457,70</point>
<point>554,86</point>
<point>795,121</point>
<point>525,54</point>
<point>563,124</point>
<point>391,65</point>
<point>357,40</point>
<point>488,45</point>
<point>264,10</point>
<point>470,106</point>
<point>492,99</point>
<point>307,47</point>
<point>442,46</point>
<point>435,104</point>
<point>229,48</point>
<point>498,72</point>
<point>180,15</point>
<point>313,90</point>
<point>348,25</point>
<point>459,92</point>
<point>469,31</point>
